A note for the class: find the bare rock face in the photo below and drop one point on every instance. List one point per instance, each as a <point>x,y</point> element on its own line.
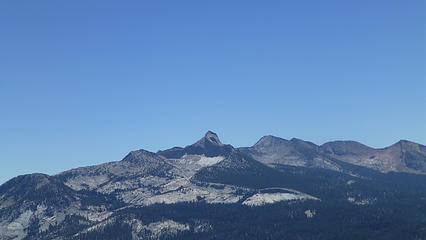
<point>274,151</point>
<point>34,201</point>
<point>38,206</point>
<point>403,156</point>
<point>36,187</point>
<point>413,155</point>
<point>209,138</point>
<point>209,145</point>
<point>136,163</point>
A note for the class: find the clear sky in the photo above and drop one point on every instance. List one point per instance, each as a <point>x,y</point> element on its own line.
<point>84,82</point>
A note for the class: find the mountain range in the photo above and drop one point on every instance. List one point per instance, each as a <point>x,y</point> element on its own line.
<point>291,189</point>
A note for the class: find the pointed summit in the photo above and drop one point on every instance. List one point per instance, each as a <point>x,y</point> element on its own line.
<point>209,146</point>
<point>209,138</point>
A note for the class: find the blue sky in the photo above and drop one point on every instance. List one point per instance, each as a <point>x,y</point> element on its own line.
<point>85,82</point>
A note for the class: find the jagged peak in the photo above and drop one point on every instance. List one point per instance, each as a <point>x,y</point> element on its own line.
<point>210,137</point>
<point>209,145</point>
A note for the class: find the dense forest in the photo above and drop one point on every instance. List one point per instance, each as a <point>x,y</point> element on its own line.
<point>394,211</point>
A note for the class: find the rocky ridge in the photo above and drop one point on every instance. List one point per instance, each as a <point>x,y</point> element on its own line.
<point>207,171</point>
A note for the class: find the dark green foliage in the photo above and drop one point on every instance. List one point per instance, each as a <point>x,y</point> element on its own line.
<point>415,160</point>
<point>38,188</point>
<point>246,172</point>
<point>118,231</point>
<point>282,221</point>
<point>394,212</point>
<point>396,207</point>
